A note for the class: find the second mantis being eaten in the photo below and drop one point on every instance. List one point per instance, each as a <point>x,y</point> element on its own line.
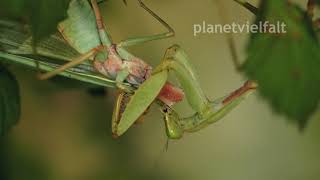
<point>140,84</point>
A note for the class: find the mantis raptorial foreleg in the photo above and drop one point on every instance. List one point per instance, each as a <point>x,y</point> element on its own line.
<point>176,125</point>
<point>175,59</point>
<point>207,112</point>
<point>149,90</point>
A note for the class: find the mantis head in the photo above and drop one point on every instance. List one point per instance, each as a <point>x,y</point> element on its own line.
<point>172,122</point>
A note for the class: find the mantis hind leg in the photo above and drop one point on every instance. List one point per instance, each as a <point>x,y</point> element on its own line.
<point>104,37</point>
<point>71,64</point>
<point>139,40</point>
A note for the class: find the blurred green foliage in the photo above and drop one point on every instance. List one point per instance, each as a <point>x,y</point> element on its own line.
<point>42,15</point>
<point>9,101</point>
<point>286,66</point>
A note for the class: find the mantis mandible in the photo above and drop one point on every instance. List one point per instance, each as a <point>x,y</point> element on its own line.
<point>141,85</point>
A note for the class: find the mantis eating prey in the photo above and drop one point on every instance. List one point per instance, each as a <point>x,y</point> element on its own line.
<point>100,61</point>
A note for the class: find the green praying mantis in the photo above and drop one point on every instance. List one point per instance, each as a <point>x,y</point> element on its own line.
<point>91,56</point>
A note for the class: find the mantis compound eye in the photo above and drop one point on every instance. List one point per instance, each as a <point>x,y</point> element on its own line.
<point>165,110</point>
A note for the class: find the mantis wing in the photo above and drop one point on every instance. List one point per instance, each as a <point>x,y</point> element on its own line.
<point>141,100</point>
<point>79,34</point>
<point>15,38</point>
<point>80,28</point>
<point>16,47</point>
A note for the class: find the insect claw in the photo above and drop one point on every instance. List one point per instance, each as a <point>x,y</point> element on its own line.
<point>125,2</point>
<point>115,136</point>
<point>140,120</point>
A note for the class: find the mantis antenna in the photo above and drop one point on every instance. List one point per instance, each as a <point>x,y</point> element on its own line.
<point>224,14</point>
<point>248,6</point>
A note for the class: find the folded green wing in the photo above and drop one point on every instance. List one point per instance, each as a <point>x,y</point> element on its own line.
<point>15,38</point>
<point>16,48</point>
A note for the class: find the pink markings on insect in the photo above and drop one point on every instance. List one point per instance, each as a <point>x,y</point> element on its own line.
<point>139,71</point>
<point>113,65</point>
<point>170,94</point>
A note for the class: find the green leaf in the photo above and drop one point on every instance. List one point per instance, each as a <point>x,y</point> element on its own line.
<point>286,66</point>
<point>141,100</point>
<point>9,101</point>
<point>42,15</point>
